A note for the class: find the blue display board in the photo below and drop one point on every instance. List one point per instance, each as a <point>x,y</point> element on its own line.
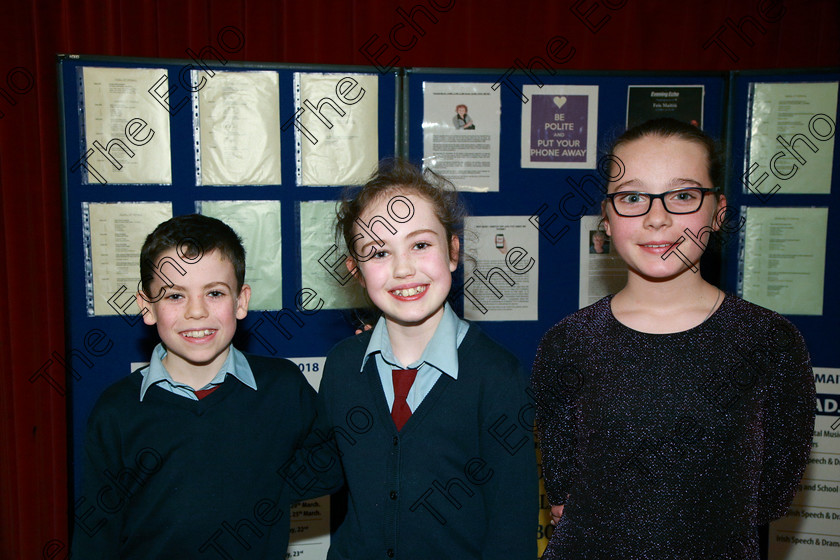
<point>529,192</point>
<point>101,349</point>
<point>821,332</point>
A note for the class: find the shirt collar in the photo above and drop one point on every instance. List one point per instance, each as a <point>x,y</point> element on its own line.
<point>236,364</point>
<point>441,353</point>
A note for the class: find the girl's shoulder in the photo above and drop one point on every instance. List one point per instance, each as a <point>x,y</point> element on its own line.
<point>737,317</point>
<point>592,319</point>
<point>735,310</point>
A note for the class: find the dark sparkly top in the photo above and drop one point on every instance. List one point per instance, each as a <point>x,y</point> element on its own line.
<point>671,445</point>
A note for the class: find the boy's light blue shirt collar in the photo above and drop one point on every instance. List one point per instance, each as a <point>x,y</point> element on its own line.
<point>441,352</point>
<point>235,364</point>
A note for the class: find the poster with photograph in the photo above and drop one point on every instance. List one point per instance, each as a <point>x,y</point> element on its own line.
<point>501,283</point>
<point>461,131</point>
<point>560,127</point>
<point>602,272</point>
<point>684,103</point>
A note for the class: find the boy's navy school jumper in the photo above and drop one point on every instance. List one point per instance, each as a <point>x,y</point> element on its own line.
<point>458,481</point>
<point>174,478</point>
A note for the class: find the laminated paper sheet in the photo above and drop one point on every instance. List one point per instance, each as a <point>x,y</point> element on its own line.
<point>237,128</point>
<point>322,268</point>
<point>114,235</point>
<point>125,129</point>
<point>791,137</point>
<point>258,224</point>
<point>337,135</point>
<point>784,259</point>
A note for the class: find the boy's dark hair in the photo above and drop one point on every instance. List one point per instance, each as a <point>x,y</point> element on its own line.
<point>401,176</point>
<point>192,236</point>
<point>668,127</point>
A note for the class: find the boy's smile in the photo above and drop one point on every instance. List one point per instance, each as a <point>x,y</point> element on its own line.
<point>408,277</point>
<point>196,317</point>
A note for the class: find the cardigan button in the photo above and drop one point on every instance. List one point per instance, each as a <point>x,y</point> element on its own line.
<point>390,553</point>
<point>396,440</point>
<point>393,495</point>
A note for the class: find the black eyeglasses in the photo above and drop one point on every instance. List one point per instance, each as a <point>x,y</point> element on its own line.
<point>631,204</point>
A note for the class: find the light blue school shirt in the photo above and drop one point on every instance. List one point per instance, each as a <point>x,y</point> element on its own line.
<point>439,357</point>
<point>155,373</point>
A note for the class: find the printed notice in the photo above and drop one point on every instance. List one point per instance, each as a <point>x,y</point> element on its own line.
<point>560,127</point>
<point>602,272</point>
<point>501,284</point>
<point>309,527</point>
<point>337,132</point>
<point>811,528</point>
<point>237,128</point>
<point>461,131</point>
<point>322,260</point>
<point>126,131</point>
<point>791,138</point>
<point>784,259</point>
<point>684,103</point>
<point>114,235</point>
<point>257,222</point>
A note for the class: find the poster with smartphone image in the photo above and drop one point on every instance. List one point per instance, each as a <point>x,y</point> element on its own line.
<point>500,269</point>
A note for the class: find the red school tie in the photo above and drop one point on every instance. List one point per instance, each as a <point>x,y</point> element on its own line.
<point>201,393</point>
<point>403,380</point>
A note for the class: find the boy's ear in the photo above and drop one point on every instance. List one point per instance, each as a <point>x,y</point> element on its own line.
<point>353,268</point>
<point>454,252</point>
<point>147,310</point>
<point>242,301</point>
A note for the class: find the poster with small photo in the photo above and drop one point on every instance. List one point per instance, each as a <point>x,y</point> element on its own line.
<point>461,133</point>
<point>602,272</point>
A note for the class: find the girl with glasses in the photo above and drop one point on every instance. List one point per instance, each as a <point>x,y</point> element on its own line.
<point>674,419</point>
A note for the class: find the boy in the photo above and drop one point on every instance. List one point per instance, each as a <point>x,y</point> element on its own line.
<point>200,453</point>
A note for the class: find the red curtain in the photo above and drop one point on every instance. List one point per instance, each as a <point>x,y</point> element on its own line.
<point>605,35</point>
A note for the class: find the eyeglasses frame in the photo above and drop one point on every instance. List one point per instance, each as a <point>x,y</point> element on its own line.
<point>661,196</point>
